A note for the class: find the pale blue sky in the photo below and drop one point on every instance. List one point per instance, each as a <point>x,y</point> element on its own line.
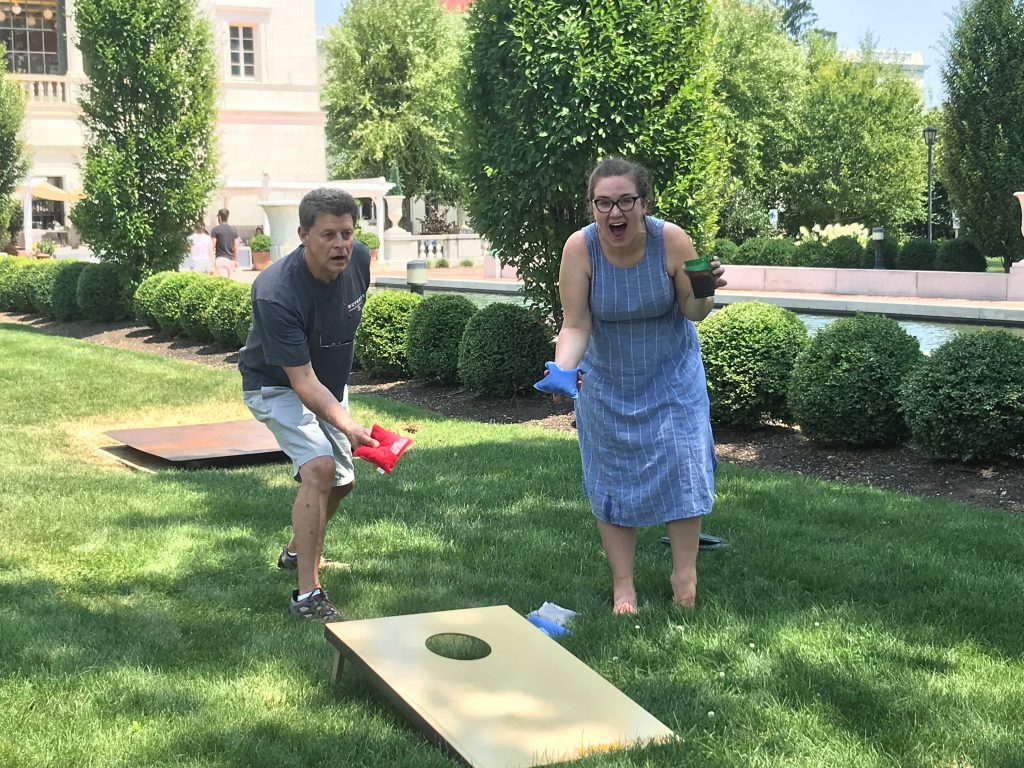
<point>903,25</point>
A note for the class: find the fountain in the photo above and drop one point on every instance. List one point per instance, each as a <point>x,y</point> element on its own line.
<point>283,220</point>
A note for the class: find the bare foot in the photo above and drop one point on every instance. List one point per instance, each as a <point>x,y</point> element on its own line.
<point>684,591</point>
<point>624,604</point>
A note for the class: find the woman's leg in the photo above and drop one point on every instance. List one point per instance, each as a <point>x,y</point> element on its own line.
<point>684,540</point>
<point>620,546</point>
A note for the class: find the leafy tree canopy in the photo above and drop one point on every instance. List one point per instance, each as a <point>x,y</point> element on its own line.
<point>148,112</point>
<point>12,151</point>
<point>983,132</point>
<point>859,155</point>
<point>390,94</point>
<point>555,85</point>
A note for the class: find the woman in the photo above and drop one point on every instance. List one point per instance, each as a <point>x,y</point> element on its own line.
<point>643,415</point>
<point>200,251</point>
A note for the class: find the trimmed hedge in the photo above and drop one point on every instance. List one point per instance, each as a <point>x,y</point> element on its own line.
<point>749,349</point>
<point>145,298</point>
<point>104,294</point>
<point>810,253</point>
<point>167,300</point>
<point>844,252</point>
<point>195,306</point>
<point>16,284</point>
<point>436,326</point>
<point>726,251</point>
<point>65,291</point>
<point>503,350</point>
<point>918,253</point>
<point>845,385</point>
<point>224,313</point>
<point>382,333</point>
<point>966,401</point>
<point>766,252</point>
<point>960,255</point>
<point>41,286</point>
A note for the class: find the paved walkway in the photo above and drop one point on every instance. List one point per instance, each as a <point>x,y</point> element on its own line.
<point>472,280</point>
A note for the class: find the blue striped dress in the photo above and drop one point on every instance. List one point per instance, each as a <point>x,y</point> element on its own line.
<point>642,415</point>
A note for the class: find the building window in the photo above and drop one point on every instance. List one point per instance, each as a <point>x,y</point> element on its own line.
<point>243,51</point>
<point>32,32</point>
<point>48,214</point>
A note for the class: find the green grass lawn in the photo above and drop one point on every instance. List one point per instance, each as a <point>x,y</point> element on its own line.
<point>143,623</point>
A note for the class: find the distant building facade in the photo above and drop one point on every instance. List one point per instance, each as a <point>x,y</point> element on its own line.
<point>269,120</point>
<point>911,64</point>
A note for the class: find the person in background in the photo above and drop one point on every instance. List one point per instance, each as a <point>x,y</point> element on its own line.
<point>642,410</point>
<point>295,367</point>
<point>225,243</point>
<point>200,251</point>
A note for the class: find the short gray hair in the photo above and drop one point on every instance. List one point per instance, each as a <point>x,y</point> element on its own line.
<point>326,200</point>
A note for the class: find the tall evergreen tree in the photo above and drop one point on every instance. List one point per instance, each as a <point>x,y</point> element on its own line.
<point>798,16</point>
<point>554,85</point>
<point>983,141</point>
<point>12,150</point>
<point>148,110</point>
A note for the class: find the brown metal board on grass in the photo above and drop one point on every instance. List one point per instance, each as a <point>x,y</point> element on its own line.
<point>527,702</point>
<point>233,442</point>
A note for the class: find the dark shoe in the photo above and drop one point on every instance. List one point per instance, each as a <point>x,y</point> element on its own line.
<point>286,561</point>
<point>316,607</point>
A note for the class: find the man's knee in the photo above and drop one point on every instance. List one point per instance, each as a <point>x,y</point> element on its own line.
<point>318,472</point>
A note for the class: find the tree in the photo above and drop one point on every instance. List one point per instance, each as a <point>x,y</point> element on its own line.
<point>763,75</point>
<point>983,134</point>
<point>555,85</point>
<point>797,17</point>
<point>12,151</point>
<point>859,155</point>
<point>390,94</point>
<point>148,111</point>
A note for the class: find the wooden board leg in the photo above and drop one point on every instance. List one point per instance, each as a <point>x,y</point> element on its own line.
<point>337,667</point>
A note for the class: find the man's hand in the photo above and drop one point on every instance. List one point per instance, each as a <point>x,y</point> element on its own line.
<point>358,435</point>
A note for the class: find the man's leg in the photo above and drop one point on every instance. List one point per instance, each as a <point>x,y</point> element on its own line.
<point>620,546</point>
<point>309,518</point>
<point>684,540</point>
<point>333,501</point>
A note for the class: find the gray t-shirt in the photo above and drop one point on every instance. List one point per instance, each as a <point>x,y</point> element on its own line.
<point>224,236</point>
<point>297,319</point>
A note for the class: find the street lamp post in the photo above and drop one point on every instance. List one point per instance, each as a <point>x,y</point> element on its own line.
<point>878,235</point>
<point>929,139</point>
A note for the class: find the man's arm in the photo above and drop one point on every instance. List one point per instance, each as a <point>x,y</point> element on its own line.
<point>320,401</point>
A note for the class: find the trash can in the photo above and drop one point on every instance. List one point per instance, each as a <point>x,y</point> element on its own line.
<point>416,275</point>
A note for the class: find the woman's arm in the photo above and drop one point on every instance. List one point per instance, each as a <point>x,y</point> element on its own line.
<point>678,250</point>
<point>574,292</point>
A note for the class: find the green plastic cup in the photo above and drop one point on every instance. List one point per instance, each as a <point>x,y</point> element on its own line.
<point>701,279</point>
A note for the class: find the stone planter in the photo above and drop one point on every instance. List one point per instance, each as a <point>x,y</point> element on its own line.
<point>261,260</point>
<point>395,213</point>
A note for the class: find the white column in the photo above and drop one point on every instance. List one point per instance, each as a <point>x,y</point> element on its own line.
<point>378,203</point>
<point>26,217</point>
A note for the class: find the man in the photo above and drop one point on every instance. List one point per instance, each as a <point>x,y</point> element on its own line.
<point>225,245</point>
<point>295,366</point>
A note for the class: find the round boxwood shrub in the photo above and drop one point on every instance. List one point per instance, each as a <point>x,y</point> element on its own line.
<point>890,253</point>
<point>167,300</point>
<point>104,293</point>
<point>16,285</point>
<point>436,326</point>
<point>766,252</point>
<point>844,252</point>
<point>383,331</point>
<point>64,297</point>
<point>724,250</point>
<point>503,350</point>
<point>809,253</point>
<point>845,385</point>
<point>223,311</point>
<point>41,286</point>
<point>960,255</point>
<point>749,349</point>
<point>145,298</point>
<point>195,306</point>
<point>966,401</point>
<point>243,317</point>
<point>918,253</point>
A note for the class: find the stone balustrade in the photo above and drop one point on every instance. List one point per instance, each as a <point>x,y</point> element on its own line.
<point>48,89</point>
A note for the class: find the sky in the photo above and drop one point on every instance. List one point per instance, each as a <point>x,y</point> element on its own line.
<point>902,25</point>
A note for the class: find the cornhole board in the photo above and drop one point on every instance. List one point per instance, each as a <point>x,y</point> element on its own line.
<point>529,702</point>
<point>226,443</point>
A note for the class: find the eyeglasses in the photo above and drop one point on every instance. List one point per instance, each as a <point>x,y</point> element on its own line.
<point>605,205</point>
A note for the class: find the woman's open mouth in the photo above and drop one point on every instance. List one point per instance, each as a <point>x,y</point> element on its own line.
<point>617,230</point>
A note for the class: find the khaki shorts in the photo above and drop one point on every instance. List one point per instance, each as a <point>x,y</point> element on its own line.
<point>300,433</point>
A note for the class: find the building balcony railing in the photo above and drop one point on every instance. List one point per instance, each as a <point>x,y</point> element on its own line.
<point>48,89</point>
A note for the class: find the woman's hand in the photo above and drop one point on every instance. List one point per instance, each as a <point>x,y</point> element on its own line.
<point>718,270</point>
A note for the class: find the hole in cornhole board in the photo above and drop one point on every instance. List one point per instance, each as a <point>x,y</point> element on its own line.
<point>220,444</point>
<point>529,702</point>
<point>460,647</point>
